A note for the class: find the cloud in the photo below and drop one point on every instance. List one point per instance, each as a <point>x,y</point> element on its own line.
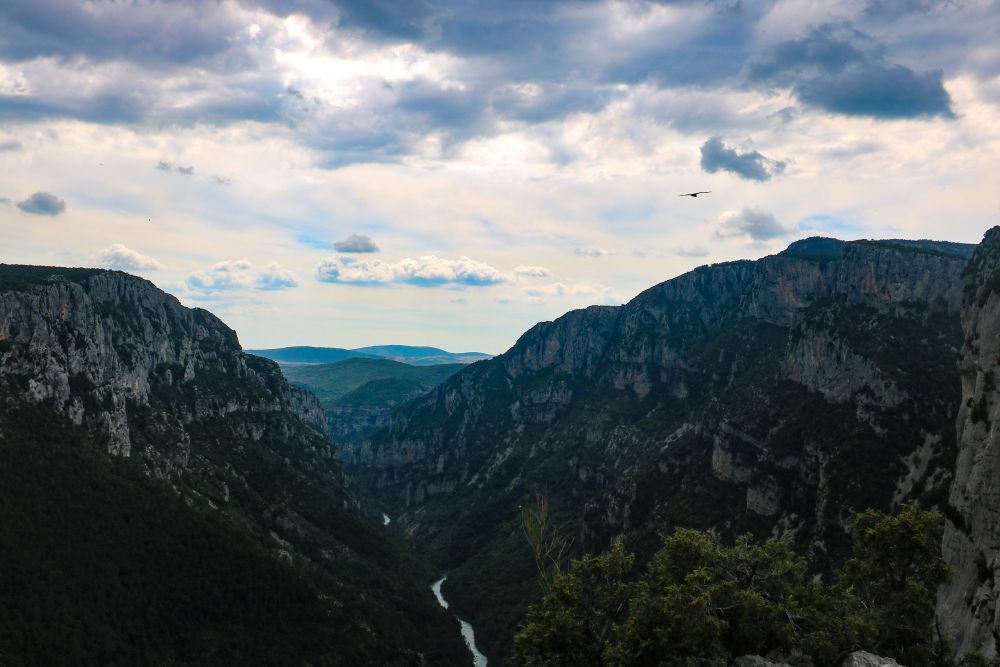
<point>356,243</point>
<point>163,165</point>
<point>751,165</point>
<point>242,274</point>
<point>599,293</point>
<point>428,271</point>
<point>532,271</point>
<point>591,252</point>
<point>118,256</point>
<point>10,146</point>
<point>42,203</point>
<point>692,251</point>
<point>840,69</point>
<point>879,91</point>
<point>756,223</point>
<point>222,180</point>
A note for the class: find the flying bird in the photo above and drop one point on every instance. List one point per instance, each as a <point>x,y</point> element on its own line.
<point>694,194</point>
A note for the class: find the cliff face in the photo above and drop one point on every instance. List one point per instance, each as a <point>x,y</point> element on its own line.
<point>110,362</point>
<point>103,351</point>
<point>782,394</point>
<point>968,607</point>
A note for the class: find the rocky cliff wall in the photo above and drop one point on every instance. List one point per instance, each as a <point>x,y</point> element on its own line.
<point>781,395</point>
<point>968,607</point>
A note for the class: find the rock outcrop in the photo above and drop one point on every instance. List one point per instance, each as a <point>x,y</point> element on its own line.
<point>775,395</point>
<point>176,413</point>
<point>969,607</point>
<point>106,349</point>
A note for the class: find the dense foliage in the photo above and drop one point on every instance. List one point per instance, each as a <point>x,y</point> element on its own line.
<point>101,565</point>
<point>332,382</point>
<point>703,602</point>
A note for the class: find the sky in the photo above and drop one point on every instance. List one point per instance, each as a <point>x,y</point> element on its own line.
<point>450,172</point>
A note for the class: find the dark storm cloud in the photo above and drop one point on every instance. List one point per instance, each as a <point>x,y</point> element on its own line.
<point>839,69</point>
<point>101,107</point>
<point>896,8</point>
<point>520,62</point>
<point>42,203</point>
<point>879,91</point>
<point>751,165</point>
<point>168,32</point>
<point>453,108</point>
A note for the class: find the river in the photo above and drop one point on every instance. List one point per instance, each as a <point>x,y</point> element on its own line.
<point>478,659</point>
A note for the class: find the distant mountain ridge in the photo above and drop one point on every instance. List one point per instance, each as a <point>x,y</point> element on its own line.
<point>359,394</point>
<point>407,354</point>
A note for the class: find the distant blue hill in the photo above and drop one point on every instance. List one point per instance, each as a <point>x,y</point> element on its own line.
<point>407,354</point>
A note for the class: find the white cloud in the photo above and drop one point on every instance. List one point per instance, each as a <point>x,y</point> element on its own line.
<point>597,293</point>
<point>591,252</point>
<point>428,271</point>
<point>241,274</point>
<point>692,251</point>
<point>118,256</point>
<point>756,223</point>
<point>532,271</point>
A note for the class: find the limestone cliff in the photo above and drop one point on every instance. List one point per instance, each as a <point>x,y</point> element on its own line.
<point>125,409</point>
<point>782,394</point>
<point>968,607</point>
<point>105,350</point>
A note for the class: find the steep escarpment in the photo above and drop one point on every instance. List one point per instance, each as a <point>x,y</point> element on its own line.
<point>968,608</point>
<point>170,499</point>
<point>783,394</point>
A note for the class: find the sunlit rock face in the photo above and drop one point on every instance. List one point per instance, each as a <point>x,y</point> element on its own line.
<point>783,394</point>
<point>968,607</point>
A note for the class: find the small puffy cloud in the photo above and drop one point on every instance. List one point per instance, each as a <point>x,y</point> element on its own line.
<point>356,243</point>
<point>42,203</point>
<point>591,252</point>
<point>118,256</point>
<point>753,222</point>
<point>273,277</point>
<point>222,180</point>
<point>163,165</point>
<point>5,201</point>
<point>751,165</point>
<point>242,274</point>
<point>428,271</point>
<point>10,146</point>
<point>692,251</point>
<point>532,271</point>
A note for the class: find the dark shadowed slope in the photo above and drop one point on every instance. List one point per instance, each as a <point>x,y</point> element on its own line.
<point>168,499</point>
<point>783,394</point>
